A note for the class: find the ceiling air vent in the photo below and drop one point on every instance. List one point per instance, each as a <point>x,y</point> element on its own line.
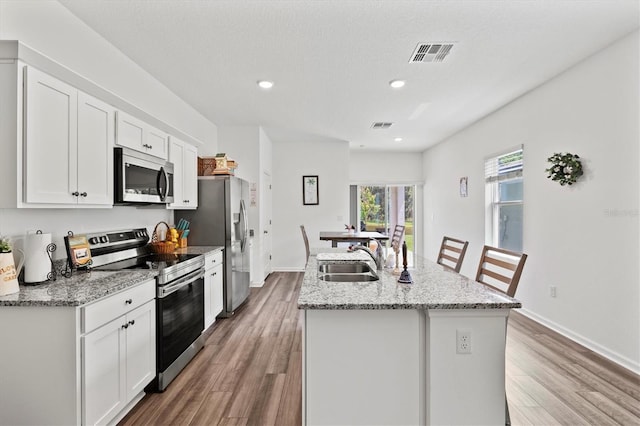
<point>430,52</point>
<point>381,125</point>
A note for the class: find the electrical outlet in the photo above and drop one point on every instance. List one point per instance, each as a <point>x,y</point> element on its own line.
<point>552,291</point>
<point>463,341</point>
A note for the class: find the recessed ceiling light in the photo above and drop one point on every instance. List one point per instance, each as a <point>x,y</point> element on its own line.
<point>398,140</point>
<point>396,84</point>
<point>265,84</point>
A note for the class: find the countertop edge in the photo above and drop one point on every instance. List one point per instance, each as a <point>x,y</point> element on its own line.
<point>428,306</point>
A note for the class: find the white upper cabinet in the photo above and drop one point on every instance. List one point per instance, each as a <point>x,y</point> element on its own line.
<point>95,150</point>
<point>68,145</point>
<point>185,174</point>
<point>140,136</point>
<point>190,175</point>
<point>51,139</point>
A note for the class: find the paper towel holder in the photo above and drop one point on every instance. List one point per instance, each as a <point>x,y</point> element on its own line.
<point>52,274</point>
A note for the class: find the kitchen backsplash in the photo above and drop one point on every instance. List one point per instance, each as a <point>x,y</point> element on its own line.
<point>16,222</point>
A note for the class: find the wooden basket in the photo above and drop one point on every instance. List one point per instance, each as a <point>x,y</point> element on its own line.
<point>161,247</point>
<point>206,166</point>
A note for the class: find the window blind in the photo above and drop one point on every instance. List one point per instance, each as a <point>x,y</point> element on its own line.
<point>504,166</point>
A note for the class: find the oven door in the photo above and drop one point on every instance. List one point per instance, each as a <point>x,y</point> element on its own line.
<point>141,178</point>
<point>180,311</point>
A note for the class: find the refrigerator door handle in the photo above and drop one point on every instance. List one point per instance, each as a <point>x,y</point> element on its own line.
<point>245,225</point>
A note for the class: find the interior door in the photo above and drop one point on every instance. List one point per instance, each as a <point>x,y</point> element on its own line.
<point>266,200</point>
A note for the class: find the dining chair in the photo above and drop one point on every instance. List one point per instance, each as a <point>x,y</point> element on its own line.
<point>306,243</point>
<point>452,253</point>
<point>397,235</point>
<point>500,269</point>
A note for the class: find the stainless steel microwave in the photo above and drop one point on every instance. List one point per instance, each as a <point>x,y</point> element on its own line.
<point>141,178</point>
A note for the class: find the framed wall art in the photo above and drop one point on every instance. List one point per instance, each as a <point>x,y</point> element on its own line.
<point>463,186</point>
<point>310,190</point>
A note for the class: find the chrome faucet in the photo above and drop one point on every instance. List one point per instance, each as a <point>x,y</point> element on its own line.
<point>377,258</point>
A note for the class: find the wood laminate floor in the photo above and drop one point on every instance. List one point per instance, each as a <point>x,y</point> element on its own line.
<point>249,373</point>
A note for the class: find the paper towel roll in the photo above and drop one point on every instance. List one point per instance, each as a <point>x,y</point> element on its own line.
<point>36,258</point>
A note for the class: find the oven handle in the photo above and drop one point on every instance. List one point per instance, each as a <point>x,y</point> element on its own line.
<point>178,284</point>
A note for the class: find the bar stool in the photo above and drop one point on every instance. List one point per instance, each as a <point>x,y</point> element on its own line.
<point>452,253</point>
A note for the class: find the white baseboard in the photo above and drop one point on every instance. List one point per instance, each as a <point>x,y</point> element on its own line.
<point>256,284</point>
<point>621,360</point>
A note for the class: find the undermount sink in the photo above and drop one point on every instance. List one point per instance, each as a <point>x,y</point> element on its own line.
<point>342,268</point>
<point>351,278</point>
<point>346,272</point>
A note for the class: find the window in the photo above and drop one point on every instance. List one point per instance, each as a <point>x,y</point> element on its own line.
<point>504,200</point>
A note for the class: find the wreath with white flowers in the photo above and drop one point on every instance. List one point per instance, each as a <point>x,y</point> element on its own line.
<point>565,168</point>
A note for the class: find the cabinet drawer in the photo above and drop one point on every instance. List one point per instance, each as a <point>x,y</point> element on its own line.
<point>105,310</point>
<point>212,260</point>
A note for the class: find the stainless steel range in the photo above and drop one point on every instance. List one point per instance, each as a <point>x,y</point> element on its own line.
<point>180,295</point>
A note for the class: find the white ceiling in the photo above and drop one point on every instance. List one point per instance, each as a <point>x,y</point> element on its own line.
<point>331,61</point>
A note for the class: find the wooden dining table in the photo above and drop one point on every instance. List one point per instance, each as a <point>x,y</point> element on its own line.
<point>346,237</point>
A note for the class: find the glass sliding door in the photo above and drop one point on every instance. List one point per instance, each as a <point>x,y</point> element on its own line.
<point>382,207</point>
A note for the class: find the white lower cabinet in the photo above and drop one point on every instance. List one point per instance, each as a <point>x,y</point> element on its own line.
<point>118,362</point>
<point>213,280</point>
<point>70,365</point>
<point>118,357</point>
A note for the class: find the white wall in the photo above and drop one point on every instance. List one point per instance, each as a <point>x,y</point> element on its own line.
<point>16,222</point>
<point>583,239</point>
<point>48,27</point>
<point>51,29</point>
<point>330,161</point>
<point>375,167</point>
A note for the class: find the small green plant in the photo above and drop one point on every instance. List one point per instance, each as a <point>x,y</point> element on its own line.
<point>5,244</point>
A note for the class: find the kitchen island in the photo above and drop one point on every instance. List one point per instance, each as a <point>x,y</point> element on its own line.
<point>381,352</point>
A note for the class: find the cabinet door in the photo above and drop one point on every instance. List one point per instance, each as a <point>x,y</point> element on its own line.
<point>218,302</point>
<point>141,348</point>
<point>103,373</point>
<point>157,143</point>
<point>95,151</point>
<point>190,176</point>
<point>176,156</point>
<point>130,131</point>
<point>50,139</point>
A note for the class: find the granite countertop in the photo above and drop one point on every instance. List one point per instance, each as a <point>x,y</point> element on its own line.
<point>81,288</point>
<point>85,287</point>
<point>434,287</point>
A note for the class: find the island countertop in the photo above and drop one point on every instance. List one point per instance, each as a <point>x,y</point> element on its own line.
<point>433,287</point>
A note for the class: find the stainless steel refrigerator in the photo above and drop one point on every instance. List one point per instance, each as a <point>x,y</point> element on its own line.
<point>221,220</point>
